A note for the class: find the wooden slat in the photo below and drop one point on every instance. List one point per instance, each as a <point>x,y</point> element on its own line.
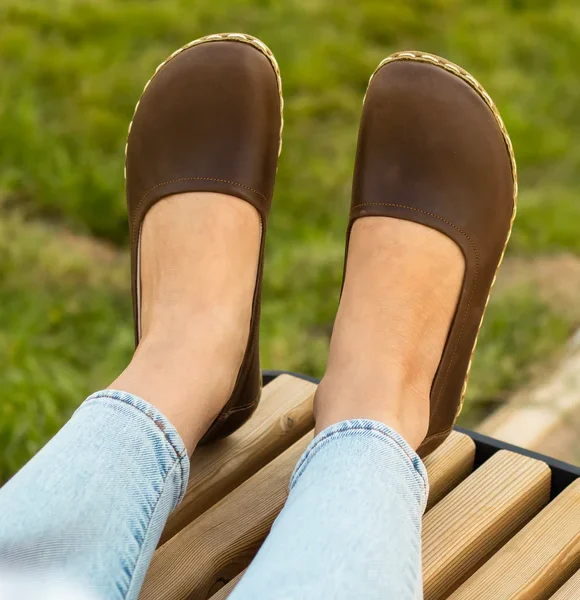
<point>535,562</point>
<point>450,464</point>
<point>465,528</point>
<point>228,588</point>
<point>570,590</point>
<point>283,416</point>
<point>446,467</point>
<point>221,542</point>
<point>458,452</point>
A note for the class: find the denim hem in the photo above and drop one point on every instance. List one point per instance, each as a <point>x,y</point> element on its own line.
<point>173,440</point>
<point>144,558</point>
<point>378,431</point>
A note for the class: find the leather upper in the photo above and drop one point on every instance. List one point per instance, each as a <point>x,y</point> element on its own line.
<point>431,150</point>
<point>209,120</point>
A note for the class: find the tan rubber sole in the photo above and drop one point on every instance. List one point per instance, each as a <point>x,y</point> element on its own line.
<point>474,84</point>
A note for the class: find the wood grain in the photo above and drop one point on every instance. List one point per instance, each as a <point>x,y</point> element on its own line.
<point>450,464</point>
<point>283,416</point>
<point>228,588</point>
<point>538,560</point>
<point>570,590</point>
<point>221,542</point>
<point>465,528</point>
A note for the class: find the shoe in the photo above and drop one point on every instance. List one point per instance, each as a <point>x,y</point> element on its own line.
<point>433,149</point>
<point>209,120</point>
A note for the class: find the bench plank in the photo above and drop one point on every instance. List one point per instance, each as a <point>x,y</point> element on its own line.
<point>570,590</point>
<point>500,578</point>
<point>536,561</point>
<point>449,465</point>
<point>465,528</point>
<point>222,541</point>
<point>228,588</point>
<point>283,416</point>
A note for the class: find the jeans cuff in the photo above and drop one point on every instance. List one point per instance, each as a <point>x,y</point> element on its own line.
<point>172,448</point>
<point>371,430</point>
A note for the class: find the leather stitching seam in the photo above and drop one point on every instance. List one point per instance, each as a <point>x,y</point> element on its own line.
<point>244,407</point>
<point>247,187</point>
<point>435,436</point>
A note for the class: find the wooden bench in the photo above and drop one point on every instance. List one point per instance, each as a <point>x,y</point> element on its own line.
<point>499,524</point>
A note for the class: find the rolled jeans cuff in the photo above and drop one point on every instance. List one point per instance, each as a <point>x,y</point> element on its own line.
<point>387,445</point>
<point>140,416</point>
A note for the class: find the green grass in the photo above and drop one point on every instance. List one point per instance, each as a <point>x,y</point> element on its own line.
<point>64,330</point>
<point>72,71</point>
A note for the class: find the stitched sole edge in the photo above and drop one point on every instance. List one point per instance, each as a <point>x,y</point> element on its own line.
<point>215,37</point>
<point>416,56</point>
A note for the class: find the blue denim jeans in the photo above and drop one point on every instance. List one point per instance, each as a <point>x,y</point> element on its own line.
<point>87,512</point>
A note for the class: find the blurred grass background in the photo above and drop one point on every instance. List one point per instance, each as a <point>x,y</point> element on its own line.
<point>71,73</point>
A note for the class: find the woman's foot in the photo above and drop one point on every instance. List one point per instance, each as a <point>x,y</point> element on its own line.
<point>432,209</point>
<point>400,291</point>
<point>199,255</point>
<point>201,163</point>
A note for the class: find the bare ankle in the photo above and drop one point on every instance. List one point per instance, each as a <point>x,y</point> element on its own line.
<point>401,287</point>
<point>199,255</point>
<point>385,399</point>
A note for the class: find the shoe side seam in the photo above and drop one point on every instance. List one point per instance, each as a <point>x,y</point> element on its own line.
<point>435,436</point>
<point>225,415</point>
<point>244,407</point>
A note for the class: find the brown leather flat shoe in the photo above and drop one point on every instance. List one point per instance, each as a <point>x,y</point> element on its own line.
<point>433,149</point>
<point>209,120</point>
